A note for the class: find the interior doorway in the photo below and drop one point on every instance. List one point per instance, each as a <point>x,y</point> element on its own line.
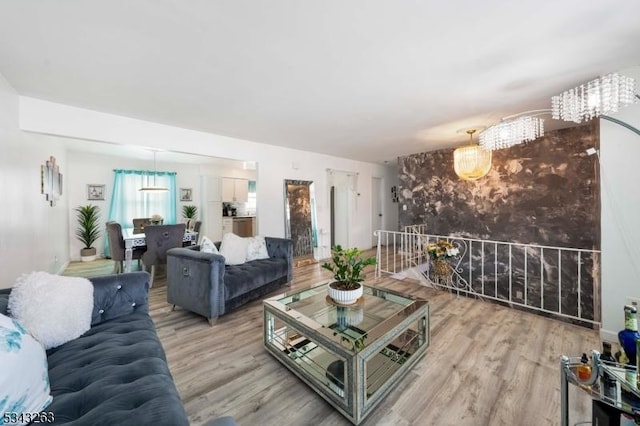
<point>342,194</point>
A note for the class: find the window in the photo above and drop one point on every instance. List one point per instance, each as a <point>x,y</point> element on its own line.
<point>128,202</point>
<point>251,198</point>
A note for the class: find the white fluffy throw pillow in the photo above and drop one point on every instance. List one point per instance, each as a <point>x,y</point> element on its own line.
<point>257,248</point>
<point>53,308</point>
<point>234,249</point>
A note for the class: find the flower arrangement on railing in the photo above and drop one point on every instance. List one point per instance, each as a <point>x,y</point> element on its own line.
<point>442,250</point>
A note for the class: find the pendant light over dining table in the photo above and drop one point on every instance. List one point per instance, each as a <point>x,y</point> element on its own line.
<point>154,187</point>
<point>471,162</point>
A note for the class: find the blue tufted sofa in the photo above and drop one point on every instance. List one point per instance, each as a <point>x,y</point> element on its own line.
<point>116,373</point>
<point>202,283</point>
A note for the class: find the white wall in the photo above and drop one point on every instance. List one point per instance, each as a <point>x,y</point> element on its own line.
<point>274,163</point>
<point>33,235</point>
<point>619,154</point>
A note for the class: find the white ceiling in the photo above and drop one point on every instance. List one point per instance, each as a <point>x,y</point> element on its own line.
<point>362,79</point>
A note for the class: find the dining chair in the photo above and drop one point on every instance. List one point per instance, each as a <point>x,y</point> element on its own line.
<point>161,238</point>
<point>139,224</point>
<point>117,248</point>
<point>196,228</point>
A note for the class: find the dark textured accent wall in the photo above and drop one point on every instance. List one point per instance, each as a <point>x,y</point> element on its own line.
<point>545,192</point>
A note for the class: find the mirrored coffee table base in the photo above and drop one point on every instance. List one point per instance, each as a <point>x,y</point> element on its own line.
<point>351,356</point>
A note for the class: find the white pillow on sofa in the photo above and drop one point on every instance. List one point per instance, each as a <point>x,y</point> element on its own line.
<point>207,246</point>
<point>53,308</point>
<point>24,376</point>
<point>257,248</point>
<point>234,249</point>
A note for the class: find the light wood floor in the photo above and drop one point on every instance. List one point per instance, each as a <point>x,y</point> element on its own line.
<point>486,365</point>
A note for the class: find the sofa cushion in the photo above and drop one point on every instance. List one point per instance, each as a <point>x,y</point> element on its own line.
<point>24,384</point>
<point>241,279</point>
<point>116,370</point>
<point>208,246</point>
<point>54,308</point>
<point>257,248</point>
<point>234,249</point>
<point>118,295</point>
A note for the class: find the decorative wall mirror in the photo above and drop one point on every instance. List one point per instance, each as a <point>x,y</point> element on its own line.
<point>51,181</point>
<point>300,219</point>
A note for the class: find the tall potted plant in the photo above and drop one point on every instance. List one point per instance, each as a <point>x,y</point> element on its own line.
<point>88,230</point>
<point>347,266</point>
<point>189,212</point>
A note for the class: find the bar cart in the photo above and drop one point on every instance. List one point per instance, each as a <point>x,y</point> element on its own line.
<point>611,385</point>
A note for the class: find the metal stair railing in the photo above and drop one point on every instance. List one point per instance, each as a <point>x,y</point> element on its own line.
<point>556,281</point>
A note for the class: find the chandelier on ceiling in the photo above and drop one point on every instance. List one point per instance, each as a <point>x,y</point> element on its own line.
<point>604,95</point>
<point>471,162</point>
<point>154,187</point>
<point>512,132</point>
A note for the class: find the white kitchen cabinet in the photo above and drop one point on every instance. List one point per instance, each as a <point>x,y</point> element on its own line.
<point>235,190</point>
<point>212,188</point>
<point>227,225</point>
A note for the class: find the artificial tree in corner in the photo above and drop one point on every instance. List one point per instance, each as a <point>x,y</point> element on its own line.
<point>88,230</point>
<point>189,212</point>
<point>347,266</point>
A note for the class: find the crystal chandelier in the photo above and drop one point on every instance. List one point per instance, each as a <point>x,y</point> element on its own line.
<point>471,162</point>
<point>512,132</point>
<point>604,95</point>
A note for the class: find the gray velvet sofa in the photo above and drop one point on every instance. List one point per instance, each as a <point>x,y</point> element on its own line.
<point>202,283</point>
<point>116,373</point>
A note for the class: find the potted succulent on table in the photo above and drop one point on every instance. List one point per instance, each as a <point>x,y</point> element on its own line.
<point>347,266</point>
<point>189,212</point>
<point>88,230</point>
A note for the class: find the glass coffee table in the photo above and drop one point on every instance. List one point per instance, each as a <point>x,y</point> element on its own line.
<point>351,355</point>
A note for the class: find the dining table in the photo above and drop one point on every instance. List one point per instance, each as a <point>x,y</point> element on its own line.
<point>133,239</point>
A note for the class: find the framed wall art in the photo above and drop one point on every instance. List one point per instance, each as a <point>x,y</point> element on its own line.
<point>95,192</point>
<point>186,194</point>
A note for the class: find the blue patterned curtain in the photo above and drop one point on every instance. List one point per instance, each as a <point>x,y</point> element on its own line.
<point>128,202</point>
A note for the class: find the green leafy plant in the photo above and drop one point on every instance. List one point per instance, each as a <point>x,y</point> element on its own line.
<point>88,224</point>
<point>356,344</point>
<point>347,266</point>
<point>189,212</point>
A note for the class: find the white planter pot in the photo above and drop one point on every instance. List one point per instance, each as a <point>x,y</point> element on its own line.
<point>344,297</point>
<point>88,254</point>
